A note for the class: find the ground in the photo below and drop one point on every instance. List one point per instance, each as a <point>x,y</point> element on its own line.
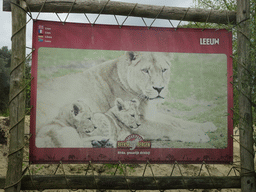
<point>133,170</point>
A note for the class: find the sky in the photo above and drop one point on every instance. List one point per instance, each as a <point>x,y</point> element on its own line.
<point>6,27</point>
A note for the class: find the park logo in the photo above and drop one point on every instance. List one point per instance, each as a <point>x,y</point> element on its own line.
<point>134,141</point>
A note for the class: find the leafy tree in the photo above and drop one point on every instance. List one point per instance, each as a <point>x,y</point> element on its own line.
<point>27,81</point>
<point>230,5</point>
<point>5,63</point>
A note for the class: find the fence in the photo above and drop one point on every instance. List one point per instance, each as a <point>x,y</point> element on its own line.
<point>17,178</point>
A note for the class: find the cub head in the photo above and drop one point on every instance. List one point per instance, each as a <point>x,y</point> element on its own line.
<point>127,113</point>
<point>79,116</point>
<point>148,73</point>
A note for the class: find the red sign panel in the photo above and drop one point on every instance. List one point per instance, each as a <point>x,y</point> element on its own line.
<point>107,94</point>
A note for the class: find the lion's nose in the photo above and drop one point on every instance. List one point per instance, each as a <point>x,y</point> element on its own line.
<point>138,124</point>
<point>158,89</point>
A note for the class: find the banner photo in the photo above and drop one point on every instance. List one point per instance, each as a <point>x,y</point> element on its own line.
<point>107,94</point>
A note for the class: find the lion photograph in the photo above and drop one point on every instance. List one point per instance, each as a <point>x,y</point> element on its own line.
<point>73,122</point>
<point>76,126</point>
<point>114,125</point>
<point>181,97</point>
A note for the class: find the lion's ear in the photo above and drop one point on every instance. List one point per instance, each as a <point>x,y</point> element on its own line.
<point>131,55</point>
<point>76,109</point>
<point>120,104</point>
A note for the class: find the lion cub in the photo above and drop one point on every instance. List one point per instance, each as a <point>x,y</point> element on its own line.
<point>117,123</point>
<point>76,126</point>
<point>74,121</point>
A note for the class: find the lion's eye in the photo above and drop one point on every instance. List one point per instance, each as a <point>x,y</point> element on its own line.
<point>90,118</point>
<point>133,115</point>
<point>145,70</point>
<point>164,70</point>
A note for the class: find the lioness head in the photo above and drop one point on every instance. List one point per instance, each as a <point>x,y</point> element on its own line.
<point>147,74</point>
<point>127,113</point>
<point>78,115</point>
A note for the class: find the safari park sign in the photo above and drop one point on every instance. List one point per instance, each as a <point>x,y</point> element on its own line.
<point>107,94</point>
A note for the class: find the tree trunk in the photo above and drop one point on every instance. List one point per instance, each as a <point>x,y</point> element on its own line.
<point>17,99</point>
<point>42,182</point>
<point>121,8</point>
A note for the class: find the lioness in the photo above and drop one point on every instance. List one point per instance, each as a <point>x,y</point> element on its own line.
<point>141,75</point>
<point>73,122</point>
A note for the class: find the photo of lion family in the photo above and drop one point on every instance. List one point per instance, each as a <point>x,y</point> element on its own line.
<point>94,98</point>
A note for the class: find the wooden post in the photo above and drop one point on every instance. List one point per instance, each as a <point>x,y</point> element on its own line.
<point>16,98</point>
<point>245,108</point>
<point>43,182</point>
<point>132,9</point>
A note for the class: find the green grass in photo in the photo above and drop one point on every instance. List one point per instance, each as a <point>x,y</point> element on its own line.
<point>56,62</point>
<point>198,93</point>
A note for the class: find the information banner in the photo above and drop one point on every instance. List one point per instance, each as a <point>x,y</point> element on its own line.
<point>107,94</point>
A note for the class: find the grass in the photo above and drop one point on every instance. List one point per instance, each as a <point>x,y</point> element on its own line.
<point>179,105</point>
<point>199,75</point>
<point>48,57</point>
<point>5,113</point>
<point>56,62</point>
<point>198,91</point>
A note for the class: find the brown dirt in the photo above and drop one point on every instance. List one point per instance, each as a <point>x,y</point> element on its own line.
<point>135,170</point>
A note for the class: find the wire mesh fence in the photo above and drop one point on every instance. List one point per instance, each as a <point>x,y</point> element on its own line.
<point>127,171</point>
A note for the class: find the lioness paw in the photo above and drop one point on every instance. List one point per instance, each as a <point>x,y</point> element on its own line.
<point>199,137</point>
<point>104,143</point>
<point>208,127</point>
<point>192,135</point>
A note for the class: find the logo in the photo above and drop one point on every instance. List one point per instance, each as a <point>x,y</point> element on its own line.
<point>134,141</point>
<point>209,41</point>
<point>40,31</point>
<point>40,27</point>
<point>40,38</point>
